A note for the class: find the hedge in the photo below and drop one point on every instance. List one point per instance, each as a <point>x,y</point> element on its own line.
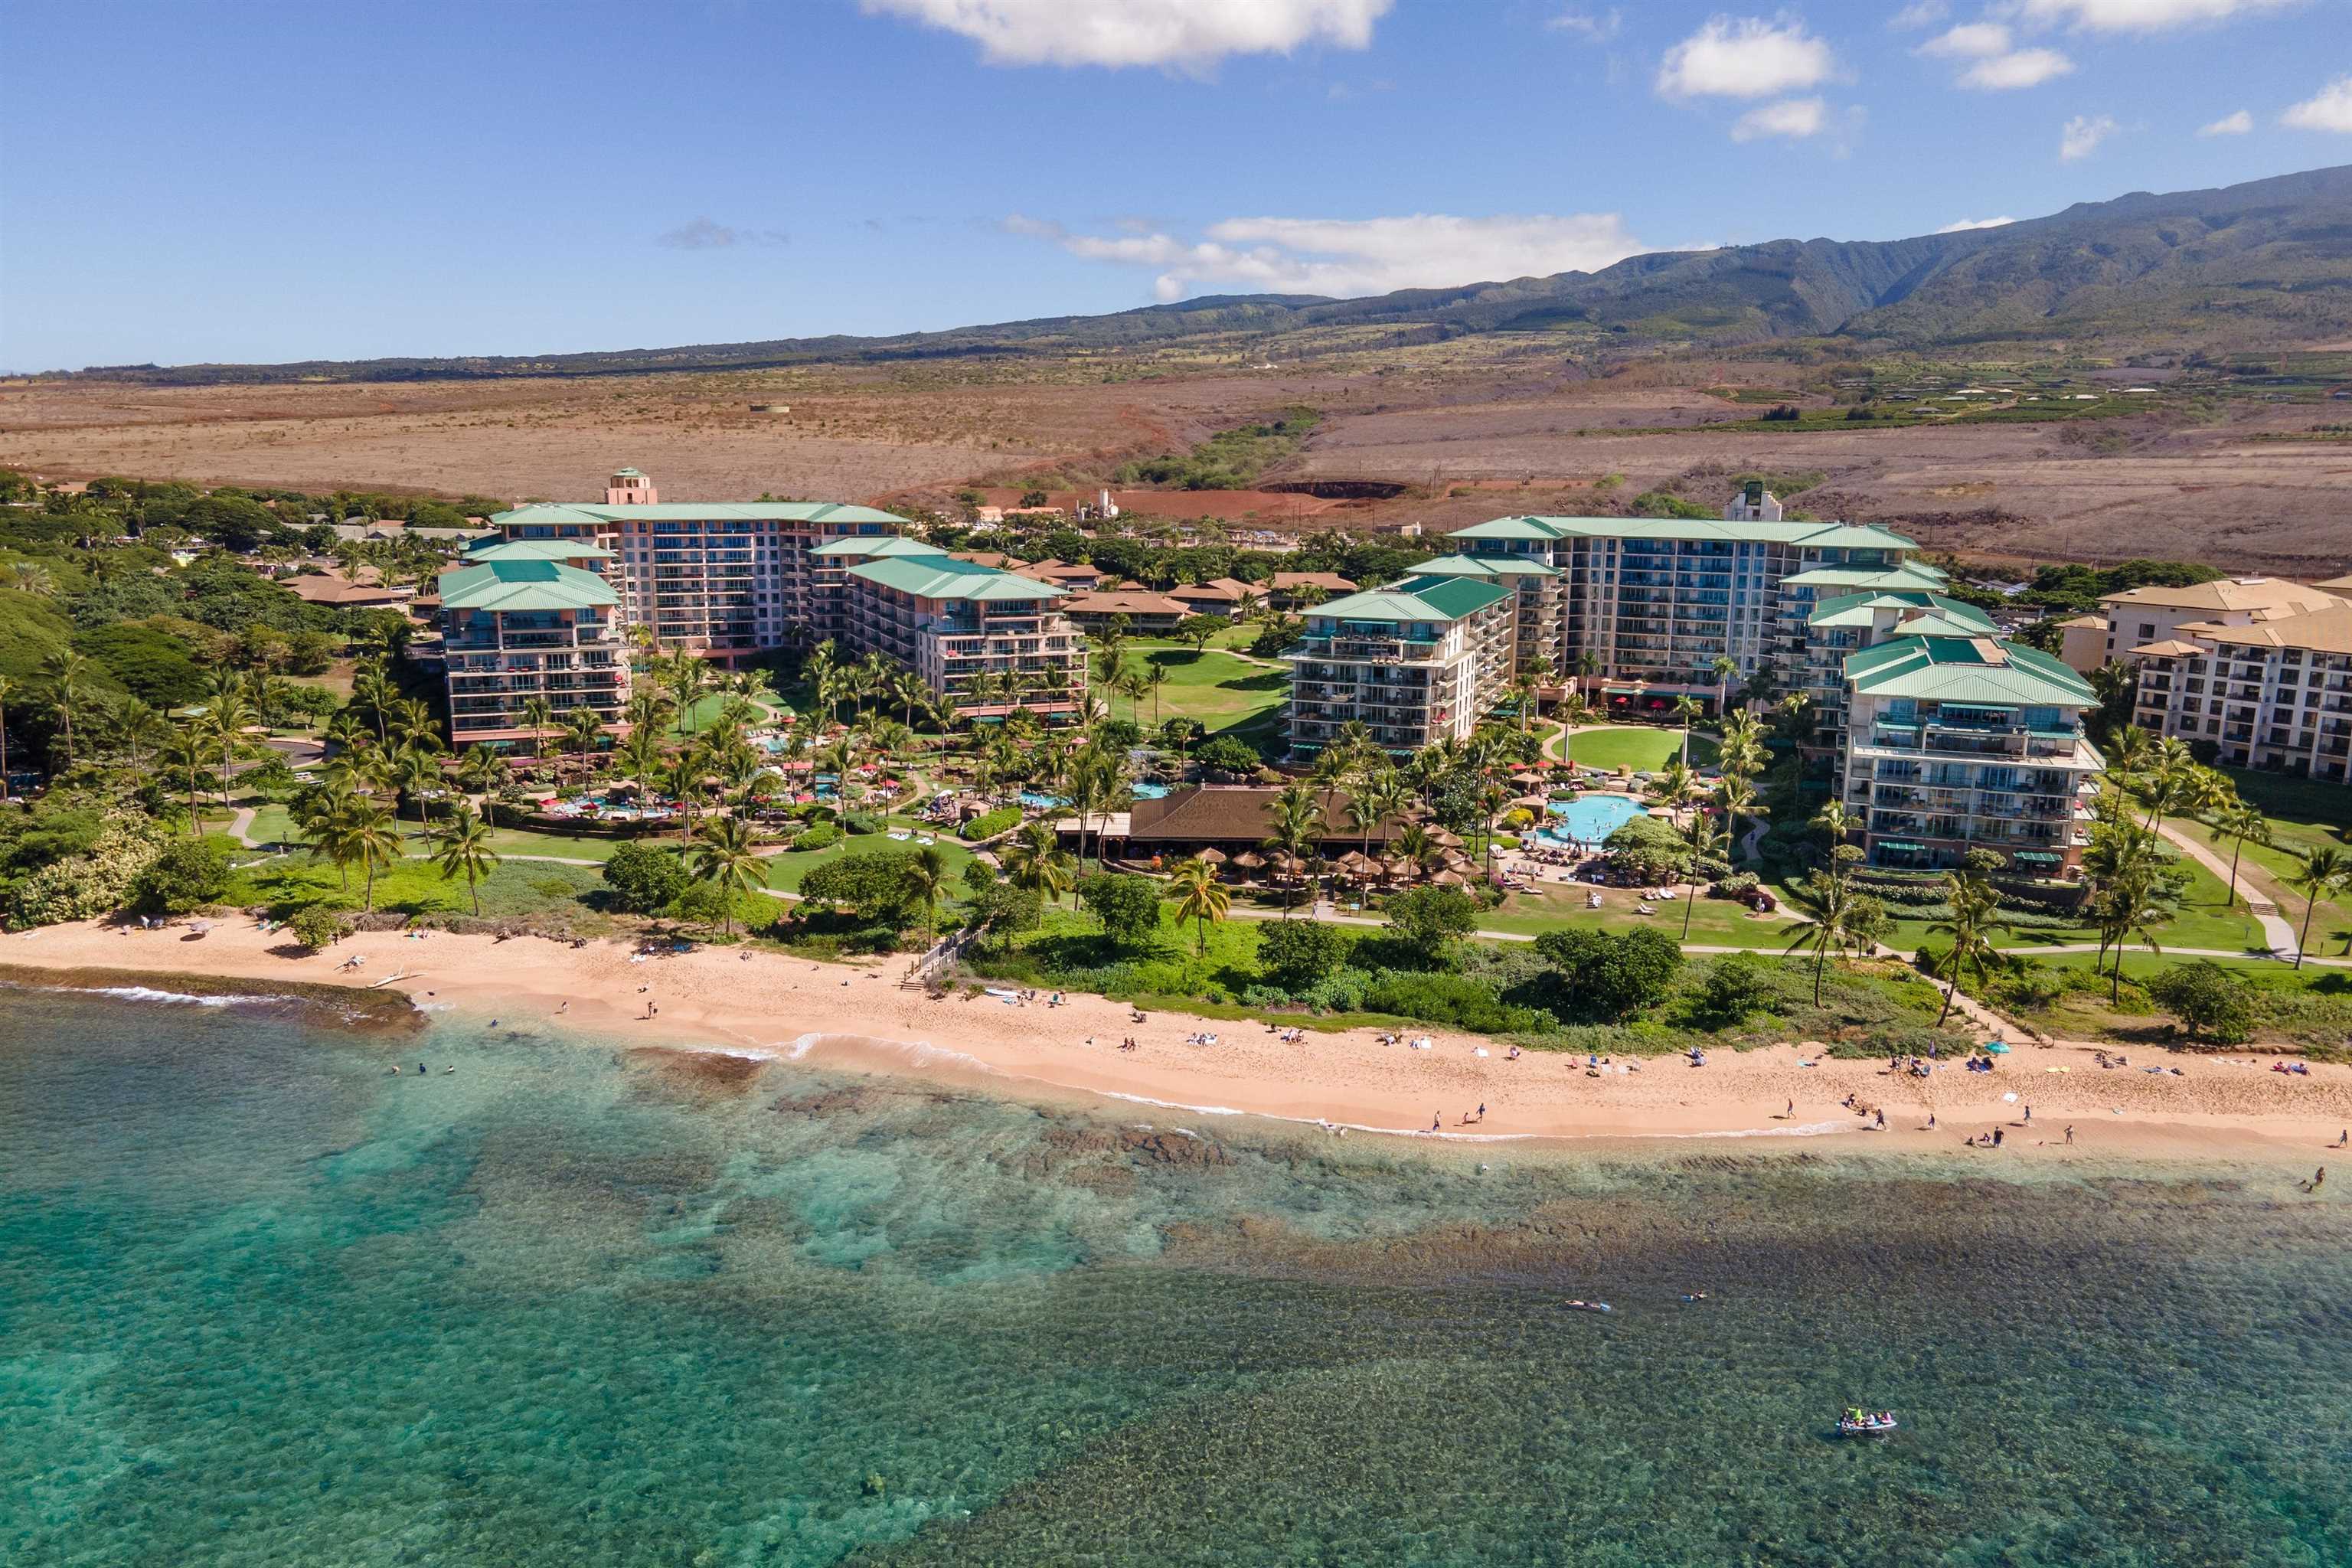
<point>988,825</point>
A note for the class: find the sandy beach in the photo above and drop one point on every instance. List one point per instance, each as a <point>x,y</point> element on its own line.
<point>857,1018</point>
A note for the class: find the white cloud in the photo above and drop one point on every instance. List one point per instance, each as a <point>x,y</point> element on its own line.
<point>2236,124</point>
<point>1792,117</point>
<point>1973,41</point>
<point>2330,110</point>
<point>1746,56</point>
<point>1920,14</point>
<point>703,233</point>
<point>1184,33</point>
<point>2081,136</point>
<point>1594,27</point>
<point>1346,258</point>
<point>1968,223</point>
<point>2025,68</point>
<point>2143,15</point>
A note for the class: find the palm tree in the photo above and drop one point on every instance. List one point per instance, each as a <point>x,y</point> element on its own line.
<point>686,678</point>
<point>1839,824</point>
<point>1724,668</point>
<point>1200,897</point>
<point>67,673</point>
<point>639,757</point>
<point>1974,921</point>
<point>1706,842</point>
<point>1153,680</point>
<point>1687,709</point>
<point>372,838</point>
<point>372,689</point>
<point>583,728</point>
<point>927,879</point>
<point>2172,782</point>
<point>1735,797</point>
<point>481,768</point>
<point>1297,823</point>
<point>537,716</point>
<point>1675,786</point>
<point>1834,922</point>
<point>2139,903</point>
<point>462,846</point>
<point>2326,871</point>
<point>1132,685</point>
<point>417,772</point>
<point>683,783</point>
<point>226,714</point>
<point>723,855</point>
<point>412,725</point>
<point>189,755</point>
<point>1573,713</point>
<point>1035,860</point>
<point>2240,822</point>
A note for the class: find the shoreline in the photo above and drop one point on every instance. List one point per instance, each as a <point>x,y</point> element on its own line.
<point>855,1018</point>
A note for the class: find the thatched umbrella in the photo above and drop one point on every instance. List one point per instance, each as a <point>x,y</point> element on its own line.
<point>1438,835</point>
<point>1214,856</point>
<point>1249,860</point>
<point>1450,879</point>
<point>1354,863</point>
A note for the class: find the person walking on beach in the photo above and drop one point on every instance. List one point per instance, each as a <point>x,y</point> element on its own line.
<point>1790,1114</point>
<point>2070,1134</point>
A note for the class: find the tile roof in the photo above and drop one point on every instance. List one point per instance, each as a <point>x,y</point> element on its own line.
<point>1416,599</point>
<point>1966,670</point>
<point>1124,604</point>
<point>879,545</point>
<point>2245,594</point>
<point>496,548</point>
<point>1227,813</point>
<point>1817,535</point>
<point>945,577</point>
<point>2327,630</point>
<point>1331,580</point>
<point>524,585</point>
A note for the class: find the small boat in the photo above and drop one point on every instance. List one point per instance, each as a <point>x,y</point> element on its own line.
<point>1858,1424</point>
<point>1588,1306</point>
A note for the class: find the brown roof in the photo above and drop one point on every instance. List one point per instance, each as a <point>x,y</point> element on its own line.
<point>2171,649</point>
<point>2256,595</point>
<point>325,588</point>
<point>1121,605</point>
<point>2094,622</point>
<point>1331,580</point>
<point>2337,584</point>
<point>2317,631</point>
<point>1061,571</point>
<point>992,559</point>
<point>1228,813</point>
<point>1212,592</point>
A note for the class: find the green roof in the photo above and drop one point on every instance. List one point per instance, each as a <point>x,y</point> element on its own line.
<point>537,550</point>
<point>879,545</point>
<point>943,576</point>
<point>524,585</point>
<point>1966,670</point>
<point>675,511</point>
<point>1422,598</point>
<point>1910,574</point>
<point>1859,610</point>
<point>1818,535</point>
<point>1485,566</point>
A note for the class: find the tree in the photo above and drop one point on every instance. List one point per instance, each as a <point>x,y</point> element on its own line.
<point>372,838</point>
<point>462,847</point>
<point>1297,955</point>
<point>1128,906</point>
<point>1428,921</point>
<point>1837,920</point>
<point>1297,828</point>
<point>7,690</point>
<point>1736,985</point>
<point>2216,1005</point>
<point>1197,630</point>
<point>315,926</point>
<point>2239,822</point>
<point>2141,901</point>
<point>1687,709</point>
<point>1200,897</point>
<point>1707,842</point>
<point>583,729</point>
<point>1725,667</point>
<point>1034,859</point>
<point>417,771</point>
<point>1646,850</point>
<point>188,753</point>
<point>2326,871</point>
<point>1225,754</point>
<point>1974,921</point>
<point>67,675</point>
<point>927,879</point>
<point>873,882</point>
<point>724,858</point>
<point>1599,975</point>
<point>644,880</point>
<point>538,717</point>
<point>187,874</point>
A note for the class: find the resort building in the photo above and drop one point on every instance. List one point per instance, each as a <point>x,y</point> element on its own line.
<point>1954,743</point>
<point>724,581</point>
<point>1234,820</point>
<point>1841,627</point>
<point>1217,597</point>
<point>1148,614</point>
<point>2276,693</point>
<point>1289,589</point>
<point>2139,616</point>
<point>513,630</point>
<point>1536,618</point>
<point>1415,662</point>
<point>984,641</point>
<point>1647,606</point>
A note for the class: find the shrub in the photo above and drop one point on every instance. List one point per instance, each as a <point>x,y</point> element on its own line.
<point>873,882</point>
<point>824,836</point>
<point>1596,975</point>
<point>1451,999</point>
<point>989,824</point>
<point>1225,755</point>
<point>643,879</point>
<point>1009,910</point>
<point>1128,906</point>
<point>1426,922</point>
<point>316,926</point>
<point>1736,985</point>
<point>188,874</point>
<point>858,822</point>
<point>1297,955</point>
<point>2216,1005</point>
<point>1738,885</point>
<point>1646,850</point>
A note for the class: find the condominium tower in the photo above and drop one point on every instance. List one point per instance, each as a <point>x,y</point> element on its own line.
<point>1415,662</point>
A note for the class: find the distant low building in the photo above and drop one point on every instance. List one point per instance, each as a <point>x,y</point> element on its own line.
<point>1150,614</point>
<point>2157,613</point>
<point>338,592</point>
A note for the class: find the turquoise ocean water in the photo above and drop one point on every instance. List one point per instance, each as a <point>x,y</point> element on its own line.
<point>263,1303</point>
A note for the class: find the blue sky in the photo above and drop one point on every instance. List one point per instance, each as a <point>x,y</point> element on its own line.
<point>256,182</point>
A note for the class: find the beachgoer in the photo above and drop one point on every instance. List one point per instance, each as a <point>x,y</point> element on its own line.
<point>1437,1122</point>
<point>1931,1121</point>
<point>1996,1137</point>
<point>2316,1180</point>
<point>2069,1132</point>
<point>1882,1116</point>
<point>2029,1116</point>
<point>1482,1110</point>
<point>1790,1114</point>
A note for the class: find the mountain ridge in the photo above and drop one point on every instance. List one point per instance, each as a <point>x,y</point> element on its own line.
<point>2264,257</point>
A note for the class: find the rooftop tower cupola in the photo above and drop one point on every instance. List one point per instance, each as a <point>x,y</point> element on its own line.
<point>630,488</point>
<point>1754,503</point>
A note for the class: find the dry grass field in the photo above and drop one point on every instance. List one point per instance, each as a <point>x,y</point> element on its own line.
<point>1469,437</point>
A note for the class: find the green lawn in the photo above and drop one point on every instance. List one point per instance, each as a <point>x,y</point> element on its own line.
<point>2311,1007</point>
<point>1714,922</point>
<point>2304,816</point>
<point>786,870</point>
<point>1221,691</point>
<point>697,716</point>
<point>413,887</point>
<point>2207,920</point>
<point>1239,634</point>
<point>1639,747</point>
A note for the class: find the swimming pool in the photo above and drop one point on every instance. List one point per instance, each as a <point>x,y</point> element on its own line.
<point>1037,800</point>
<point>1589,818</point>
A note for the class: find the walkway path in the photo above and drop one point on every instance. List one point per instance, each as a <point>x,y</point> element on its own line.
<point>241,826</point>
<point>2275,929</point>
